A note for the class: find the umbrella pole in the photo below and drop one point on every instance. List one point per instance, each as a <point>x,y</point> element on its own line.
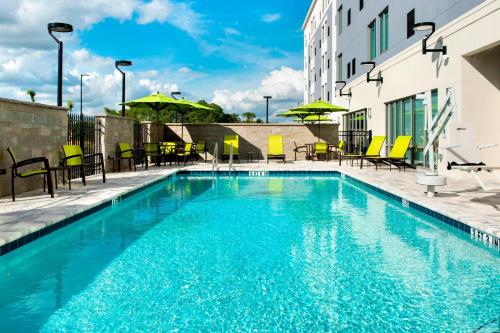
<point>182,127</point>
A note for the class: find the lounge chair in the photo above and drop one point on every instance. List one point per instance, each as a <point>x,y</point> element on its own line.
<point>397,156</point>
<point>275,148</point>
<point>15,173</point>
<point>320,149</point>
<point>373,150</point>
<point>465,154</point>
<point>231,140</point>
<point>75,159</point>
<point>201,149</point>
<point>298,149</point>
<point>153,150</point>
<point>186,153</point>
<point>125,152</point>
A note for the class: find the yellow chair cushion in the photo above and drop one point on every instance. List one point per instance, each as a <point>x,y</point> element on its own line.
<point>320,148</point>
<point>123,150</point>
<point>151,149</point>
<point>71,150</point>
<point>231,140</point>
<point>375,146</point>
<point>200,147</point>
<point>400,147</point>
<point>275,146</point>
<point>32,173</point>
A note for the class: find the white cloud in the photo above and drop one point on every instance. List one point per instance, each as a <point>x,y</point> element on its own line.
<point>270,18</point>
<point>284,85</point>
<point>231,32</point>
<point>184,70</point>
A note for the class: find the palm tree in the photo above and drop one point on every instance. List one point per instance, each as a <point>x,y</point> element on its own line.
<point>31,93</point>
<point>70,105</point>
<point>249,116</point>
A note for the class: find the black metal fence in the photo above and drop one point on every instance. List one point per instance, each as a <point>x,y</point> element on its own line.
<point>140,134</point>
<point>356,142</point>
<point>85,131</point>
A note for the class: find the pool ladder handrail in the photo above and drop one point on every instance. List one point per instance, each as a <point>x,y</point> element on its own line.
<point>215,158</point>
<point>231,168</point>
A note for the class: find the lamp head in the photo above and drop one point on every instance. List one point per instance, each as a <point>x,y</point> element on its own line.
<point>59,27</point>
<point>175,93</point>
<point>268,97</point>
<point>424,26</point>
<point>123,63</point>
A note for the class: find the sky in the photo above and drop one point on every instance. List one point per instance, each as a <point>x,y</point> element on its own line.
<point>230,52</point>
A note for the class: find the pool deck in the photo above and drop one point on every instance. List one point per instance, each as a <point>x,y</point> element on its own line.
<point>462,199</point>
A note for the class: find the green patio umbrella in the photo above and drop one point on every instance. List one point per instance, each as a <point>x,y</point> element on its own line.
<point>295,114</point>
<point>159,102</point>
<point>319,108</point>
<point>312,119</point>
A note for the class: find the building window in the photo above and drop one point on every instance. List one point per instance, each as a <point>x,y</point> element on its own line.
<point>407,117</point>
<point>361,5</point>
<point>328,31</point>
<point>353,67</point>
<point>339,67</point>
<point>328,96</point>
<point>349,17</point>
<point>372,40</point>
<point>348,70</point>
<point>339,20</point>
<point>328,63</point>
<point>384,30</point>
<point>410,22</point>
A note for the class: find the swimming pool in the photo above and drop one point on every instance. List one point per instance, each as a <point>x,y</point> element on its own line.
<point>281,253</point>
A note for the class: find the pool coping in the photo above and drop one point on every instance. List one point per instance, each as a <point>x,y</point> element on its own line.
<point>476,234</point>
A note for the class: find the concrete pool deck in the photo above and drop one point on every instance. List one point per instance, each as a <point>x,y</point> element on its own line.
<point>462,199</point>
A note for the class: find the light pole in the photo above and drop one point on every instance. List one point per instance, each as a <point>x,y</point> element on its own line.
<point>123,63</point>
<point>173,93</point>
<point>267,98</point>
<point>59,27</point>
<point>82,135</point>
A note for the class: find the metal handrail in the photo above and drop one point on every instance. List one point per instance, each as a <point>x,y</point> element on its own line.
<point>230,158</point>
<point>215,157</point>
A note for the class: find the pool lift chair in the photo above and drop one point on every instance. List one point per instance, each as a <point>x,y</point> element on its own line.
<point>463,150</point>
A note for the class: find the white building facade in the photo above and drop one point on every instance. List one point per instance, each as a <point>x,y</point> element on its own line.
<point>382,32</point>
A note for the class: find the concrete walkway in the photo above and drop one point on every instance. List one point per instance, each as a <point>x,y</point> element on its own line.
<point>461,199</point>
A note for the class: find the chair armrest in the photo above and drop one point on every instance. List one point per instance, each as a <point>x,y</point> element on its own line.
<point>69,157</point>
<point>30,161</point>
<point>93,155</point>
<point>491,145</point>
<point>126,151</point>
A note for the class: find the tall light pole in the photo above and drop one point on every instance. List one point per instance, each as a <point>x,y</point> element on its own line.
<point>173,93</point>
<point>267,98</point>
<point>82,135</point>
<point>123,63</point>
<point>59,27</point>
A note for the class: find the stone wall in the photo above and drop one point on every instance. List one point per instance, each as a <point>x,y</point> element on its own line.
<point>253,137</point>
<point>31,130</point>
<point>115,130</point>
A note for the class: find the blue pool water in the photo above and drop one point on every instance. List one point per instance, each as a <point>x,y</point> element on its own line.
<point>303,254</point>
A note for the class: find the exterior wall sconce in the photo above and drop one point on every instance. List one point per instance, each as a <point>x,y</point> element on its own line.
<point>344,84</point>
<point>370,66</point>
<point>425,26</point>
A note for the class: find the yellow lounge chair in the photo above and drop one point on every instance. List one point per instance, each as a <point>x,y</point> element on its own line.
<point>373,150</point>
<point>153,150</point>
<point>397,156</point>
<point>75,159</point>
<point>16,174</point>
<point>228,141</point>
<point>275,148</point>
<point>125,152</point>
<point>168,151</point>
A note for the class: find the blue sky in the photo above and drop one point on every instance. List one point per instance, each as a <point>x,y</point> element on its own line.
<point>230,52</point>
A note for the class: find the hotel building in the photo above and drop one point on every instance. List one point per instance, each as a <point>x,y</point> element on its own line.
<point>340,35</point>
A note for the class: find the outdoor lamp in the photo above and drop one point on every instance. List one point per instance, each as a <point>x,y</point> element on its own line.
<point>425,26</point>
<point>267,98</point>
<point>370,66</point>
<point>62,28</point>
<point>118,64</point>
<point>344,84</point>
<point>173,93</point>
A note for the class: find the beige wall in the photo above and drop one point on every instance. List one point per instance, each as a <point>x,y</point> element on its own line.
<point>253,137</point>
<point>115,130</point>
<point>31,130</point>
<point>474,77</point>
